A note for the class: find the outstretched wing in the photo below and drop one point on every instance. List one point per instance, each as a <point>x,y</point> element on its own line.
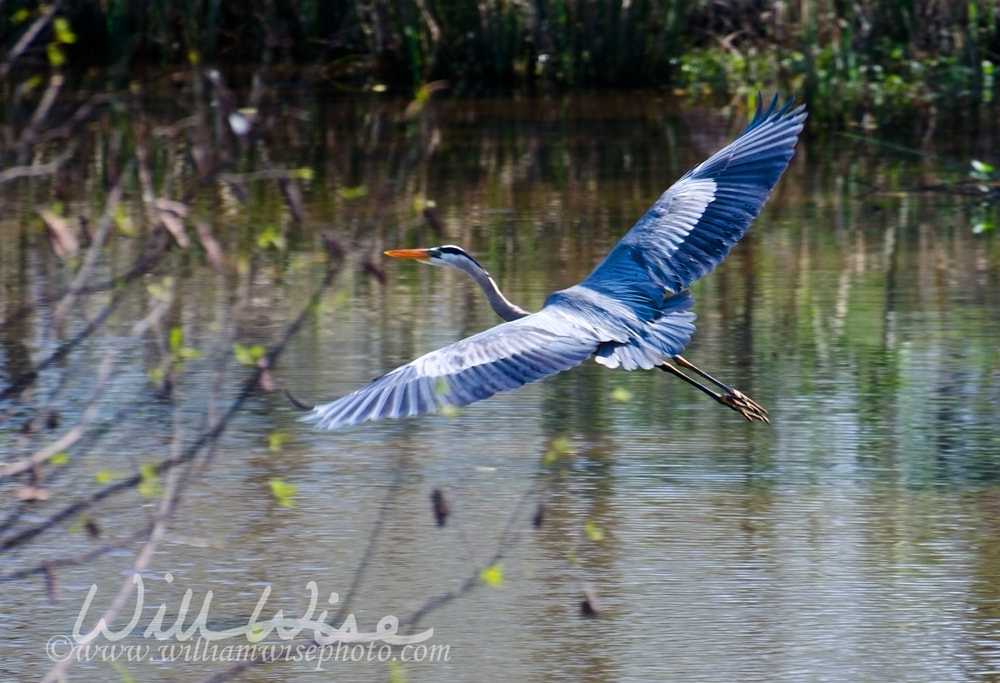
<point>504,357</point>
<point>623,311</point>
<point>693,225</point>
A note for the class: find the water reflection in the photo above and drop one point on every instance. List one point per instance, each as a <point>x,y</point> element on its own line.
<point>855,538</point>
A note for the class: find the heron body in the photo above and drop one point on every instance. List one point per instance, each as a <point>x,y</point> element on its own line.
<point>632,311</point>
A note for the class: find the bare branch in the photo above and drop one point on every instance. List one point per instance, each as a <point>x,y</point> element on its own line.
<point>80,558</point>
<point>56,82</point>
<point>49,168</point>
<point>70,437</point>
<point>28,37</point>
<point>206,439</point>
<point>167,507</point>
<point>97,243</point>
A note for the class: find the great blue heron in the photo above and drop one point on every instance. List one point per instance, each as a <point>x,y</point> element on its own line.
<point>632,311</point>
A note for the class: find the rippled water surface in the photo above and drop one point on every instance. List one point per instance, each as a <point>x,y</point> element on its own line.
<point>855,538</point>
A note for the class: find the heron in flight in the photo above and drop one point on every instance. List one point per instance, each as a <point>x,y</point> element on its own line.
<point>633,311</point>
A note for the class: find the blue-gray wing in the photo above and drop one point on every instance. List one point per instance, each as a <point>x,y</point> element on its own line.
<point>693,225</point>
<point>499,359</point>
<point>632,337</point>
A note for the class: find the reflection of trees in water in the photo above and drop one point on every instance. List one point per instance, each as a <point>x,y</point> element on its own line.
<point>823,324</point>
<point>167,242</point>
<point>111,358</point>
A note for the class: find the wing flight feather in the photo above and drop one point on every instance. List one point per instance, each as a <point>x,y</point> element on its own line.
<point>499,359</point>
<point>694,224</point>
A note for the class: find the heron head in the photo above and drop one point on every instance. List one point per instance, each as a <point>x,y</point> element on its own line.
<point>447,255</point>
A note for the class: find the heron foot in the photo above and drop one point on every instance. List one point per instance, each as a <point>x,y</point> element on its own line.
<point>731,398</point>
<point>744,405</point>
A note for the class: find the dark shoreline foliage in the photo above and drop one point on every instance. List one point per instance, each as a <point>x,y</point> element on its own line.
<point>873,54</point>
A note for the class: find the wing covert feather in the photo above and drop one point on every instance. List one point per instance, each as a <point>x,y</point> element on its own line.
<point>693,225</point>
<point>499,359</point>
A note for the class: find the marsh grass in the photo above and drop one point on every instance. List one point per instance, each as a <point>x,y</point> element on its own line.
<point>866,54</point>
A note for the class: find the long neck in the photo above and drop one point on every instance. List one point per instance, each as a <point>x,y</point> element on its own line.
<point>503,307</point>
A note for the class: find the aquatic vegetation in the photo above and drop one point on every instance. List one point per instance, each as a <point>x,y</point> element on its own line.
<point>867,54</point>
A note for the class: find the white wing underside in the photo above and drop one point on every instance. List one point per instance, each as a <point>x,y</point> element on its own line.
<point>505,357</point>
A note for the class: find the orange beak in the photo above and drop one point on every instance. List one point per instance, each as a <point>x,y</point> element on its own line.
<point>417,254</point>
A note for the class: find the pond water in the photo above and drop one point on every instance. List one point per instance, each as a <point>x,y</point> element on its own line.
<point>855,537</point>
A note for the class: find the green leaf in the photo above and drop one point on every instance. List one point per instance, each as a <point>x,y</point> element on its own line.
<point>562,445</point>
<point>559,447</point>
<point>149,485</point>
<point>593,532</point>
<point>276,440</point>
<point>257,633</point>
<point>621,394</point>
<point>106,476</point>
<point>55,54</point>
<point>64,34</point>
<point>162,290</point>
<point>396,674</point>
<point>189,353</point>
<point>282,491</point>
<point>248,355</point>
<point>492,576</point>
<point>122,672</point>
<point>270,237</point>
<point>353,192</point>
<point>33,83</point>
<point>123,222</point>
<point>176,338</point>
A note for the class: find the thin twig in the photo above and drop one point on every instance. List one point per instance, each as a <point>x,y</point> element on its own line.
<point>50,168</point>
<point>56,82</point>
<point>27,378</point>
<point>29,36</point>
<point>93,252</point>
<point>85,557</point>
<point>206,438</point>
<point>359,574</point>
<point>167,507</point>
<point>71,436</point>
<point>509,538</point>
